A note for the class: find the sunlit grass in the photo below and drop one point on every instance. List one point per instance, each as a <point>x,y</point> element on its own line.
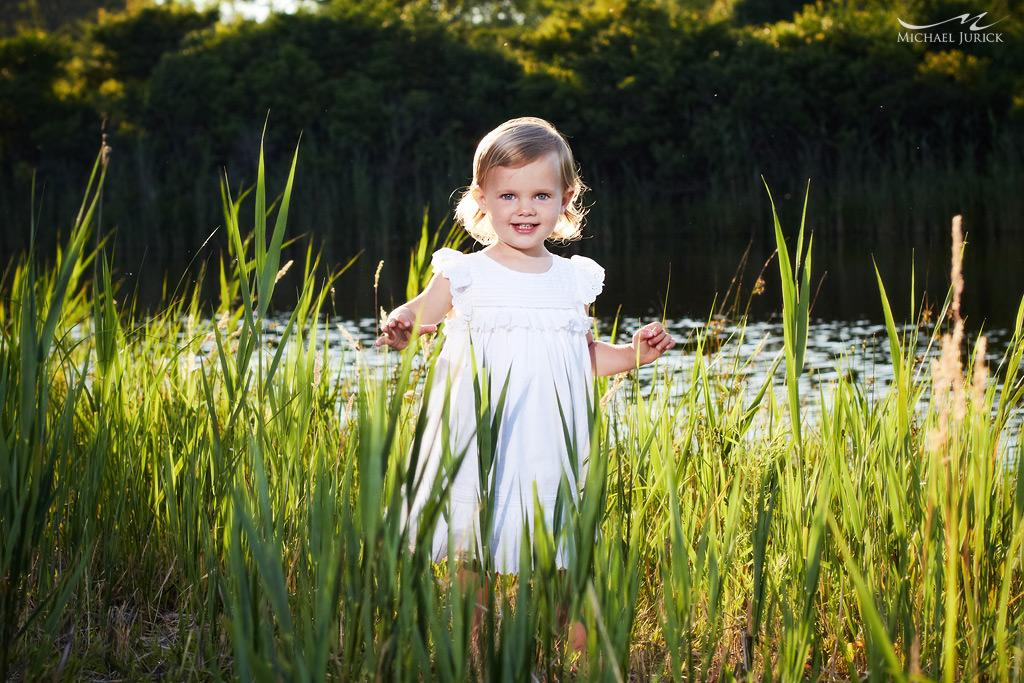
<point>181,499</point>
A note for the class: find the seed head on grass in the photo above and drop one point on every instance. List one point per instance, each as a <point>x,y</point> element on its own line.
<point>352,341</point>
<point>947,381</point>
<point>979,379</point>
<point>284,269</point>
<point>956,276</point>
<point>947,386</point>
<point>612,390</point>
<point>376,281</point>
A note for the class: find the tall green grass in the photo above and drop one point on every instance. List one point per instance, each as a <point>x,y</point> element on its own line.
<point>183,499</point>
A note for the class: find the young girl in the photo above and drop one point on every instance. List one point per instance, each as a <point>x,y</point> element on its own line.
<point>520,313</point>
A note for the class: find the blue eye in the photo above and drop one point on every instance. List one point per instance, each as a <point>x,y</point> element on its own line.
<point>508,195</point>
<point>543,195</point>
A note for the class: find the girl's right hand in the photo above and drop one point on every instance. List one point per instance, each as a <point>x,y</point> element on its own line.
<point>397,329</point>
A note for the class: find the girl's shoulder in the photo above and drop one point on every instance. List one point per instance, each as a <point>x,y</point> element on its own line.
<point>455,266</point>
<point>452,264</point>
<point>589,277</point>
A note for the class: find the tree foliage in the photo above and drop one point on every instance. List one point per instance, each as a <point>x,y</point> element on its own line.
<point>663,100</point>
<point>50,15</point>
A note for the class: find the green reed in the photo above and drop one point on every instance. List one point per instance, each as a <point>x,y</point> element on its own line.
<point>183,499</point>
<point>38,419</point>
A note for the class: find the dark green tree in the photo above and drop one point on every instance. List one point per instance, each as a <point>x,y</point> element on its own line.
<point>34,121</point>
<point>50,15</point>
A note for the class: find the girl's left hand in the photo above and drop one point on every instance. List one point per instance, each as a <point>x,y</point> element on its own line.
<point>650,341</point>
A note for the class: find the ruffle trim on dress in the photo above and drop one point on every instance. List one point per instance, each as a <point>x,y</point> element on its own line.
<point>589,278</point>
<point>453,265</point>
<point>508,319</point>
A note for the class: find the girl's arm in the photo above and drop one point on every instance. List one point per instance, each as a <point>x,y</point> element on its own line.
<point>429,306</point>
<point>649,342</point>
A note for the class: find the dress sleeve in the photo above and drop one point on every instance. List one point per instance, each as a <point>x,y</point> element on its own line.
<point>452,264</point>
<point>589,279</point>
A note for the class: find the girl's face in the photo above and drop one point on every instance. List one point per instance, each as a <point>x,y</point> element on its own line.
<point>524,203</point>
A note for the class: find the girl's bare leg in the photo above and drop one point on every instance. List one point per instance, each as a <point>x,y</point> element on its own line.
<point>466,576</point>
<point>575,630</point>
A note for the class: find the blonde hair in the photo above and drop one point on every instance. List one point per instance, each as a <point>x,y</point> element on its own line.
<point>513,144</point>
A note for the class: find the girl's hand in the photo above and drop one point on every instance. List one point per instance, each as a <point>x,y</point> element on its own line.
<point>397,329</point>
<point>650,341</point>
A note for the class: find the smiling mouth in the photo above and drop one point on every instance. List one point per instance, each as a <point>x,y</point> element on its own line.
<point>524,227</point>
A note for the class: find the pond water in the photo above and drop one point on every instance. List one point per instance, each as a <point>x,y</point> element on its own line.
<point>736,355</point>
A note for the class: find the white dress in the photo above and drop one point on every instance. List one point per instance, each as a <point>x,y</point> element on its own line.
<point>531,328</point>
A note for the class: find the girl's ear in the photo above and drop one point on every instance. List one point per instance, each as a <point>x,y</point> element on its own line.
<point>480,197</point>
<point>567,198</point>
